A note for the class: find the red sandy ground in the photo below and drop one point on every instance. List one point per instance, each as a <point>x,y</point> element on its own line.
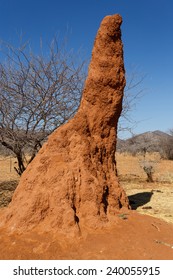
<point>133,236</point>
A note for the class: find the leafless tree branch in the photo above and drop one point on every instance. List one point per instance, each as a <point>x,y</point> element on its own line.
<point>37,94</point>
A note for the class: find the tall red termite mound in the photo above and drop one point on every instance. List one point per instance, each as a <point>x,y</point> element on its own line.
<point>72,182</point>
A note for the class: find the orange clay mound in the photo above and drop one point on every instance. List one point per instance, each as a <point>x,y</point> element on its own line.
<point>72,182</point>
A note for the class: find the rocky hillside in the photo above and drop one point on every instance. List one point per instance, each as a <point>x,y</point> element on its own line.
<point>151,141</point>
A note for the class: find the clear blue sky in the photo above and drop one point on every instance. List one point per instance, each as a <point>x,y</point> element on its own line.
<point>147,36</point>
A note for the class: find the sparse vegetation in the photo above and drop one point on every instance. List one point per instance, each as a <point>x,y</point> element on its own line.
<point>149,164</point>
<point>148,169</point>
<point>154,198</point>
<point>7,189</point>
<point>38,93</point>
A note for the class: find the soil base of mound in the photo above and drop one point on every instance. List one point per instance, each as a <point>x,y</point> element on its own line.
<point>134,236</point>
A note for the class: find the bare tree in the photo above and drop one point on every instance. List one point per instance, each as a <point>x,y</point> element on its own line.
<point>132,94</point>
<point>38,93</point>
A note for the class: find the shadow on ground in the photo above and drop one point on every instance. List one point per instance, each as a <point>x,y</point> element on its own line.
<point>139,199</point>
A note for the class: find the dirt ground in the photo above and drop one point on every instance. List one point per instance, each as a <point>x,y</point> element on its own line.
<point>133,236</point>
<point>145,232</point>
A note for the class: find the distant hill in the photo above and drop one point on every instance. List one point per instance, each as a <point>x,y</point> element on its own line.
<point>151,141</point>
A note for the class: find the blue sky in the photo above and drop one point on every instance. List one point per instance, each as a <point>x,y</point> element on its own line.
<point>147,34</point>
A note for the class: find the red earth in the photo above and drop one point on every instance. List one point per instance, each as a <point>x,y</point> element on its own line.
<point>134,236</point>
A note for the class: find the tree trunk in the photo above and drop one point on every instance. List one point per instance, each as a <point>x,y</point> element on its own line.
<point>21,167</point>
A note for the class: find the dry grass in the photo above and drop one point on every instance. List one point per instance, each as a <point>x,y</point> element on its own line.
<point>155,199</point>
<point>7,172</point>
<point>129,168</point>
<point>8,180</point>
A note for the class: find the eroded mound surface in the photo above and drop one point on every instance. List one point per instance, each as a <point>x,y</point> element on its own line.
<point>72,182</point>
